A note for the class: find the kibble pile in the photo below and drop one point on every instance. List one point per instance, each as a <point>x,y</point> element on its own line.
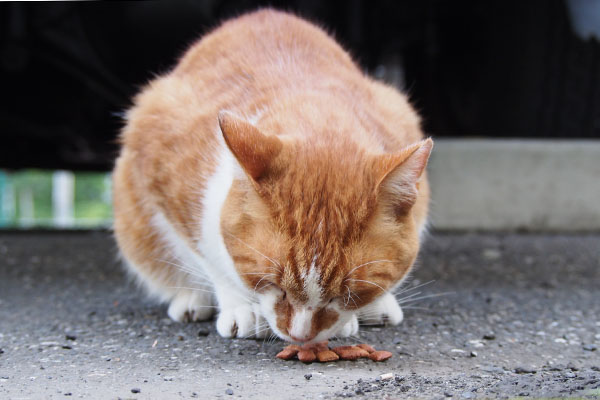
<point>323,353</point>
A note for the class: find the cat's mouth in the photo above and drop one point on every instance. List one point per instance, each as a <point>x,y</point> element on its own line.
<point>321,336</point>
<point>313,340</point>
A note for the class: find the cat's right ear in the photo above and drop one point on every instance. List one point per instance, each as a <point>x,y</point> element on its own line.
<point>399,173</point>
<point>254,151</point>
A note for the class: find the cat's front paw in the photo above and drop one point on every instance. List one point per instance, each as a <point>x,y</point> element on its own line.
<point>242,322</point>
<point>385,310</point>
<point>350,328</point>
<point>191,306</point>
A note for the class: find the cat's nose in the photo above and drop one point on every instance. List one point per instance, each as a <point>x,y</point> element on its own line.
<point>304,338</point>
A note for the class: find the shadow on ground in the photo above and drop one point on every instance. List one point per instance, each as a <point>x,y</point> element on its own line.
<point>508,315</point>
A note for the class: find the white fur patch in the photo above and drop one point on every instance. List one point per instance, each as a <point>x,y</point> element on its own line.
<point>301,323</point>
<point>211,245</point>
<point>177,245</point>
<point>303,315</point>
<point>312,285</point>
<point>238,313</point>
<point>350,328</point>
<point>384,309</point>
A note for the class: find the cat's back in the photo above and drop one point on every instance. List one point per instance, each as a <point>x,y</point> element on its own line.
<point>261,42</point>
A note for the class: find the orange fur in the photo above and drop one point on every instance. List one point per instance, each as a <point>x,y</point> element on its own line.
<point>333,166</point>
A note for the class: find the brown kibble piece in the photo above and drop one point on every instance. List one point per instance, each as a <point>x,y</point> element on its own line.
<point>321,346</point>
<point>350,352</point>
<point>327,355</point>
<point>358,350</point>
<point>306,356</point>
<point>341,348</point>
<point>316,347</point>
<point>320,351</point>
<point>380,355</point>
<point>368,348</point>
<point>363,352</point>
<point>289,352</point>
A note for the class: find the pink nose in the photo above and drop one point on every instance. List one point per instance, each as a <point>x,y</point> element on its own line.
<point>305,338</point>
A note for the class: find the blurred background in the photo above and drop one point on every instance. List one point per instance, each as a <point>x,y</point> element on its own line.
<point>510,90</point>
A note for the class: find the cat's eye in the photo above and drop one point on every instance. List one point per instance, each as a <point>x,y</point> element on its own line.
<point>282,293</point>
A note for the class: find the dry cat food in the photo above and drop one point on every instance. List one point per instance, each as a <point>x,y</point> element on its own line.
<point>321,352</point>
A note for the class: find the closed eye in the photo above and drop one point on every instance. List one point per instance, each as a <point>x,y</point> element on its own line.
<point>333,299</point>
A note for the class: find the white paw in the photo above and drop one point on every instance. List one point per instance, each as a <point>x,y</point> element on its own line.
<point>351,327</point>
<point>242,322</point>
<point>385,310</point>
<point>190,306</point>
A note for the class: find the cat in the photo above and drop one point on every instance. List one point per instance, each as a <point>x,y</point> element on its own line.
<point>269,180</point>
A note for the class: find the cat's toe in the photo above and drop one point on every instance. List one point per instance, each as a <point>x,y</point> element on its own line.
<point>240,322</point>
<point>189,306</point>
<point>382,311</point>
<point>350,328</point>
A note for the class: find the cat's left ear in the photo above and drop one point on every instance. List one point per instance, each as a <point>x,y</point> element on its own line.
<point>399,173</point>
<point>254,150</point>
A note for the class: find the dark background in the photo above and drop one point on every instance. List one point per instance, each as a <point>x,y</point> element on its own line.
<point>472,68</point>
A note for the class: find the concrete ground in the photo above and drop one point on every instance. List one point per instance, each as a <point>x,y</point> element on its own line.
<point>509,315</point>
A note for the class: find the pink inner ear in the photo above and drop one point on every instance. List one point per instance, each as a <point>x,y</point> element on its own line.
<point>254,151</point>
<point>400,172</point>
<point>410,162</point>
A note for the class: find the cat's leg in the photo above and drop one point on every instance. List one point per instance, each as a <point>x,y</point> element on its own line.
<point>384,310</point>
<point>189,298</point>
<point>191,305</point>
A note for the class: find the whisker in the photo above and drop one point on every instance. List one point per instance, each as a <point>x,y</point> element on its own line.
<point>273,338</point>
<point>185,268</point>
<point>255,333</point>
<point>408,297</point>
<point>257,273</point>
<point>367,263</point>
<point>369,282</point>
<point>374,324</point>
<point>346,302</point>
<point>276,263</point>
<point>408,289</point>
<point>415,308</point>
<point>191,288</point>
<point>264,286</point>
<point>350,297</point>
<point>260,280</point>
<point>429,296</point>
<point>265,339</point>
<point>201,283</point>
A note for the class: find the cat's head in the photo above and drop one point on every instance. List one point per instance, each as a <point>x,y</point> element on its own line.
<point>318,233</point>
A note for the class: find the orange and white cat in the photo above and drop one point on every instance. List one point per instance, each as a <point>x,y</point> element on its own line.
<point>268,179</point>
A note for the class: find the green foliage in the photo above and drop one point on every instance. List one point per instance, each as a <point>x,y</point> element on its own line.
<point>26,199</point>
<point>92,205</point>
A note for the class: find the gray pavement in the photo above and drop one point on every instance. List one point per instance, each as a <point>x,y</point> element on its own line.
<point>509,315</point>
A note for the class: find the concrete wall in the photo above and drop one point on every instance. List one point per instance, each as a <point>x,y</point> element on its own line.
<point>515,184</point>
